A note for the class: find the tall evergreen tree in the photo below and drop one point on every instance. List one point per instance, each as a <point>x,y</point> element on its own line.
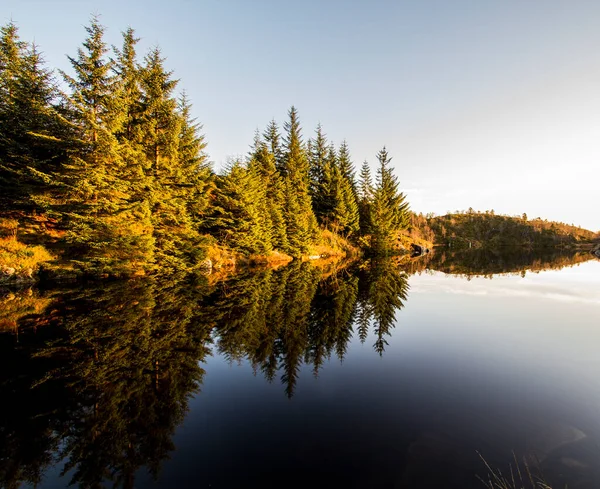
<point>263,161</point>
<point>128,72</point>
<point>318,155</point>
<point>389,212</point>
<point>273,140</point>
<point>365,192</point>
<point>237,216</point>
<point>301,223</point>
<point>31,129</point>
<point>193,178</point>
<point>346,166</point>
<point>106,235</point>
<point>164,134</point>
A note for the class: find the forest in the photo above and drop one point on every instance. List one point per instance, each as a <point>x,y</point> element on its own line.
<point>105,174</point>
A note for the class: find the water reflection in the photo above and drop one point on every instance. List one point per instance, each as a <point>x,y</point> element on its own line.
<point>96,379</point>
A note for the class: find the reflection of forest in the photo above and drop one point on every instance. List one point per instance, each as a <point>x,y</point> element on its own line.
<point>98,377</point>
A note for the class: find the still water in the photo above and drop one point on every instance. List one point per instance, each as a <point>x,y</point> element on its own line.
<point>425,374</point>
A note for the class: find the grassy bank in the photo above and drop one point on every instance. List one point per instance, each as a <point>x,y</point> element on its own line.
<point>19,261</point>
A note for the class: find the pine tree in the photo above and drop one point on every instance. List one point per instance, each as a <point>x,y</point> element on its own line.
<point>346,166</point>
<point>345,212</point>
<point>365,198</point>
<point>300,220</point>
<point>273,141</point>
<point>106,233</point>
<point>31,129</point>
<point>264,162</point>
<point>389,211</point>
<point>237,216</point>
<point>318,155</point>
<point>127,70</point>
<point>193,177</point>
<point>163,130</point>
<point>342,207</point>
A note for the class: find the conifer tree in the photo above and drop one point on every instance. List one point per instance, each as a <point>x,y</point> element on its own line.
<point>107,235</point>
<point>273,141</point>
<point>127,69</point>
<point>163,128</point>
<point>264,162</point>
<point>31,129</point>
<point>318,155</point>
<point>346,166</point>
<point>345,212</point>
<point>237,216</point>
<point>300,220</point>
<point>365,198</point>
<point>389,211</point>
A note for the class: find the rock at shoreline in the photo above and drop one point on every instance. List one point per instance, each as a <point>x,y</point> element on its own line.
<point>206,267</point>
<point>8,272</point>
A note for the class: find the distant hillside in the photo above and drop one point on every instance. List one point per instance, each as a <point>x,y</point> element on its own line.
<point>487,230</point>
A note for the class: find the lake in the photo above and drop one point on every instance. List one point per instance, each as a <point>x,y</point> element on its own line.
<point>424,373</point>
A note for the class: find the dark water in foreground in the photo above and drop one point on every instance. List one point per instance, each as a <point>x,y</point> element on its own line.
<point>377,376</point>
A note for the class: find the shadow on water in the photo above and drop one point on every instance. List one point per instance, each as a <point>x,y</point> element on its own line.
<point>95,379</point>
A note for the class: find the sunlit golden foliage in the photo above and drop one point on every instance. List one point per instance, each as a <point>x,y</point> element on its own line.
<point>332,244</point>
<point>25,259</point>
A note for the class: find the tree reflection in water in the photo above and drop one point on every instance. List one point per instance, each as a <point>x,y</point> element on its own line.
<point>98,377</point>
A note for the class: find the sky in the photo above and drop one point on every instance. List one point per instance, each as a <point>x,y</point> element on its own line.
<point>483,104</point>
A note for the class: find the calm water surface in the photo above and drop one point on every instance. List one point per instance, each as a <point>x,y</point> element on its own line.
<point>377,376</point>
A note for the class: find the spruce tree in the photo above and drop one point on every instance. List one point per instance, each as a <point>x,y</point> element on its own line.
<point>162,128</point>
<point>318,154</point>
<point>127,69</point>
<point>106,233</point>
<point>273,140</point>
<point>237,216</point>
<point>194,175</point>
<point>32,132</point>
<point>345,212</point>
<point>365,198</point>
<point>263,161</point>
<point>389,211</point>
<point>300,220</point>
<point>346,166</point>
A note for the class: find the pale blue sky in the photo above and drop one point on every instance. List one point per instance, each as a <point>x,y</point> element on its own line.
<point>489,104</point>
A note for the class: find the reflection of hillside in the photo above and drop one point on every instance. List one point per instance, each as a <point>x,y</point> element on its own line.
<point>486,263</point>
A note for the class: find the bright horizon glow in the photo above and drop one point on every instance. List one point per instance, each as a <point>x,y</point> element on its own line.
<point>490,105</point>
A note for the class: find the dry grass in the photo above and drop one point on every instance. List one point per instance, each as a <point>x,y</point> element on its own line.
<point>24,259</point>
<point>520,476</point>
<point>332,244</point>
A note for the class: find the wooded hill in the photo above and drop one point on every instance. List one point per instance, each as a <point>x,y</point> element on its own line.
<point>487,230</point>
